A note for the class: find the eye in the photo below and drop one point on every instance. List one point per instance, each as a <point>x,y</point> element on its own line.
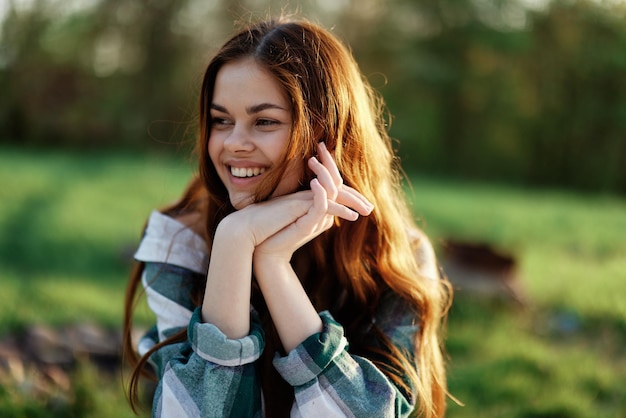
<point>220,122</point>
<point>266,122</point>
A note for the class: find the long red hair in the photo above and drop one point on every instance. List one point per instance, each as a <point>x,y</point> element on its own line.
<point>347,269</point>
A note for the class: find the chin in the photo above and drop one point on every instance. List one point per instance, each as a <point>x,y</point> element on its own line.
<point>241,203</point>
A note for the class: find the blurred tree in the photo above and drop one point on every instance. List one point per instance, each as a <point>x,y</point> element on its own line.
<point>449,86</point>
<point>95,77</point>
<point>492,89</point>
<point>485,89</point>
<point>577,66</point>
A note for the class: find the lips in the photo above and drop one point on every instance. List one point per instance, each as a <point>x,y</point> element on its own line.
<point>243,172</point>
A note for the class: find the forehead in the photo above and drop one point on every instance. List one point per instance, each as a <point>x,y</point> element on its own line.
<point>246,82</point>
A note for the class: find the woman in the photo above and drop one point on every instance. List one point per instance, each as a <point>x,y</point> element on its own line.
<point>290,276</point>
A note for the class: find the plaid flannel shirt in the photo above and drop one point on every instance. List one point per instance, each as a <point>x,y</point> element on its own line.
<point>210,375</point>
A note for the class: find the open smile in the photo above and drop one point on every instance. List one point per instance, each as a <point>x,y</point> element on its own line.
<point>243,172</point>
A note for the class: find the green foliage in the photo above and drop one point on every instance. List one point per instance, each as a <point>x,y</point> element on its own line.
<point>486,90</point>
<point>96,77</point>
<point>478,89</point>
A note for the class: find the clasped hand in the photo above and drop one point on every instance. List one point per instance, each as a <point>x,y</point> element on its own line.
<point>278,227</point>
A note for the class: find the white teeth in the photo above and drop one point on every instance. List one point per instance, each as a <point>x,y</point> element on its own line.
<point>246,172</point>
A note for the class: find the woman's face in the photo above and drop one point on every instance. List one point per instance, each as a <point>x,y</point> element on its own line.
<point>251,127</point>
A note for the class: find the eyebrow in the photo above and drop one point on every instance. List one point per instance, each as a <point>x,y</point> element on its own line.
<point>251,109</point>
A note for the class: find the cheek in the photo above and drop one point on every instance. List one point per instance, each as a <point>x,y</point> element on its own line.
<point>292,178</point>
<point>213,150</point>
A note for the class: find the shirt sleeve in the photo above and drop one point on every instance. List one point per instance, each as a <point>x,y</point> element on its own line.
<point>330,382</point>
<point>209,375</point>
<point>206,374</point>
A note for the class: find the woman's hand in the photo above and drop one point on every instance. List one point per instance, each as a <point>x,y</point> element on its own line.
<point>258,221</point>
<point>330,198</point>
<point>328,174</point>
<point>317,219</point>
<point>293,314</point>
<point>264,236</point>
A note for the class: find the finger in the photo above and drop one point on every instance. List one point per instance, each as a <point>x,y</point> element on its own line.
<point>345,195</point>
<point>348,196</point>
<point>317,210</point>
<point>324,176</point>
<point>317,219</point>
<point>320,196</point>
<point>323,203</point>
<point>329,221</point>
<point>328,161</point>
<point>363,205</point>
<point>342,211</point>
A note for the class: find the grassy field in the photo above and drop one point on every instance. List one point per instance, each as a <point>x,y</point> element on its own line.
<point>69,222</point>
<point>564,355</point>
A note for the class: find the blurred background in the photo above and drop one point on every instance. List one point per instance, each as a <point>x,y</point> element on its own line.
<point>510,121</point>
<point>530,91</point>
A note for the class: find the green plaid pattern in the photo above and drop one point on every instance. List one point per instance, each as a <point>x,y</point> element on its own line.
<point>210,375</point>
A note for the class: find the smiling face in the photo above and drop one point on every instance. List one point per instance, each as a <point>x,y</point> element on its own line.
<point>251,127</point>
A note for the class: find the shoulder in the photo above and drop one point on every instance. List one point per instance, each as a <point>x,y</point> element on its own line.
<point>173,241</point>
<point>424,254</point>
<point>398,319</point>
<point>193,221</point>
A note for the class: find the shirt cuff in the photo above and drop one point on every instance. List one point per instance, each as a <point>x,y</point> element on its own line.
<point>312,357</point>
<point>211,344</point>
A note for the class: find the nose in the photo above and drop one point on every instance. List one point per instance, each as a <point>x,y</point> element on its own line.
<point>239,140</point>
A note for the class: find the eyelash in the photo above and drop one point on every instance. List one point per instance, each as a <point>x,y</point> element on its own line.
<point>266,122</point>
<point>219,121</point>
<point>259,122</point>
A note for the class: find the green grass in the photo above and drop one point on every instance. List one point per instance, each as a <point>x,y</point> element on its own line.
<point>68,226</point>
<point>572,248</point>
<point>69,223</point>
<point>564,355</point>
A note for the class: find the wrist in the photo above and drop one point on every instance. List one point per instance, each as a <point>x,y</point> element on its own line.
<point>268,265</point>
<point>233,232</point>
